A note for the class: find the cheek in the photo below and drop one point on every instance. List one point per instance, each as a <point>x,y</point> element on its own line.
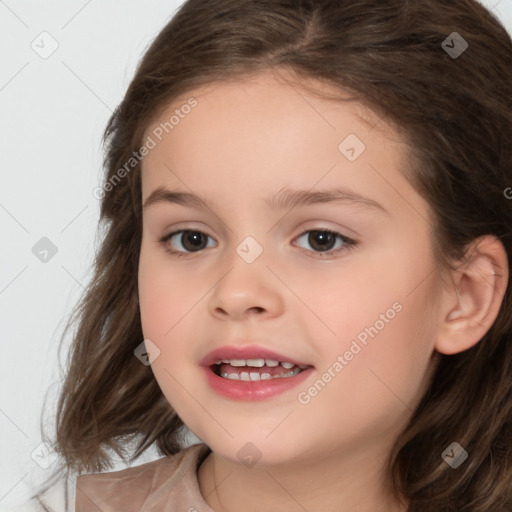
<point>162,302</point>
<point>386,362</point>
<point>384,335</point>
<point>164,322</point>
<point>167,299</point>
<point>162,294</point>
<point>374,392</point>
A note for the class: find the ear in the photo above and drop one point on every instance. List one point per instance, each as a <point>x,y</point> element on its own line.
<point>471,305</point>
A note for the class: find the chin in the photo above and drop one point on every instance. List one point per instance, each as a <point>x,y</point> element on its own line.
<point>254,450</point>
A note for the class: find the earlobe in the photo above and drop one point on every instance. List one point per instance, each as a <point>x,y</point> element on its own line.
<point>473,303</point>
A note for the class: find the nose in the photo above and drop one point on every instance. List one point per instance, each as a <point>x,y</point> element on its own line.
<point>244,290</point>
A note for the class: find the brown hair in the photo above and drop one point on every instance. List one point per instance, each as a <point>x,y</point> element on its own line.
<point>456,116</point>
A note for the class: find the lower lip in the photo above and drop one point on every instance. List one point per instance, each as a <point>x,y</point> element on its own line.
<point>253,389</point>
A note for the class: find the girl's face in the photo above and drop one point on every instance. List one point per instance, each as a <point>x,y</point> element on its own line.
<point>359,314</point>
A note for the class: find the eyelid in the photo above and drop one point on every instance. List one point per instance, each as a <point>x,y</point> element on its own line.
<point>348,242</point>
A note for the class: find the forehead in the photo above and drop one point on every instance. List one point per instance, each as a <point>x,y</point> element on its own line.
<point>274,89</point>
<point>258,135</point>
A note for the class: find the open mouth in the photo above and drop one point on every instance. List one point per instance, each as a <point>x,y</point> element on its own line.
<point>255,369</point>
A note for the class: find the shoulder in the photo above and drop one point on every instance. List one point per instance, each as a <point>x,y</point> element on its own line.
<point>171,480</point>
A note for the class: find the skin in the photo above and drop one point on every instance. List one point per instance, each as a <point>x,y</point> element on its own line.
<point>243,142</point>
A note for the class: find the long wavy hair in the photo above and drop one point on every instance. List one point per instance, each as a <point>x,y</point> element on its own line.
<point>455,113</point>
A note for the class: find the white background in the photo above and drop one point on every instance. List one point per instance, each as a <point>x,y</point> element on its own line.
<point>52,114</point>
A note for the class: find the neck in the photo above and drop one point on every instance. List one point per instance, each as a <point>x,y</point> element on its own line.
<point>339,480</point>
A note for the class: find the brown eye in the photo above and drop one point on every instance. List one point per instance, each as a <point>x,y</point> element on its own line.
<point>190,241</point>
<point>324,240</point>
<point>321,240</point>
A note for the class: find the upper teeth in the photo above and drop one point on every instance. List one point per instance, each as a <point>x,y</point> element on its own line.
<point>257,363</point>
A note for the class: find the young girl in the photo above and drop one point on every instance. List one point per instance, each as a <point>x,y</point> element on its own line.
<point>306,265</point>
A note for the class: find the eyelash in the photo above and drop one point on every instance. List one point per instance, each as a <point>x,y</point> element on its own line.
<point>349,243</point>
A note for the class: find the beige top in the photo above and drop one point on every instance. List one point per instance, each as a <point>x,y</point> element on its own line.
<point>167,484</point>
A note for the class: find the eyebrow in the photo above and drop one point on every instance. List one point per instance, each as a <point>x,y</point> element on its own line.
<point>284,198</point>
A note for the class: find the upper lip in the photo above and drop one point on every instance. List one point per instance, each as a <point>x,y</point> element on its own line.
<point>246,352</point>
